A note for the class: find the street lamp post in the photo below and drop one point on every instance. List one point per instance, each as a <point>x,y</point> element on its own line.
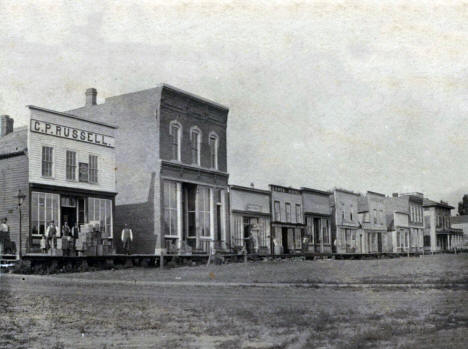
<point>20,196</point>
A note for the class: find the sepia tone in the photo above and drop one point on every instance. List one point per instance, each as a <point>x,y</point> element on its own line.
<point>233,175</point>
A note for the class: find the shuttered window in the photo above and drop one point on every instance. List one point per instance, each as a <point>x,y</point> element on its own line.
<point>71,165</point>
<point>93,169</point>
<point>47,161</point>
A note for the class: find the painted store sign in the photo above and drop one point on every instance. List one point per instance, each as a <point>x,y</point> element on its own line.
<point>71,133</point>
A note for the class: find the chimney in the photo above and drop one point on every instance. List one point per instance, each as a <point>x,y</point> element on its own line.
<point>6,125</point>
<point>395,195</point>
<point>91,94</point>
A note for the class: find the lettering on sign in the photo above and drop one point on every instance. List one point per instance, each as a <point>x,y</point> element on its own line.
<point>71,133</point>
<point>285,190</point>
<point>254,207</point>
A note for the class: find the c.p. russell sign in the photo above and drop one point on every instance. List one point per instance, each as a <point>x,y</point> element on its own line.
<point>71,133</point>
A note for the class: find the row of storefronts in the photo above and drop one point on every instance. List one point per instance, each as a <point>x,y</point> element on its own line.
<point>156,161</point>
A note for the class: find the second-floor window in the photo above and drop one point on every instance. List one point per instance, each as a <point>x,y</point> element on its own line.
<point>288,212</point>
<point>47,161</point>
<point>93,169</point>
<point>195,137</point>
<point>71,165</point>
<point>298,214</point>
<point>277,211</point>
<point>175,132</point>
<point>213,142</point>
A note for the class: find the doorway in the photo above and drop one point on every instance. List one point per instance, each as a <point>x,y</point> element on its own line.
<point>379,242</point>
<point>68,214</point>
<point>284,240</point>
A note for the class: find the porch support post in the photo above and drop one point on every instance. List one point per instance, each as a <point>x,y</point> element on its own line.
<point>212,219</point>
<point>179,215</point>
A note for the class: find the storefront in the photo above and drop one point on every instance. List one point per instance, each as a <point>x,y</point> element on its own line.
<point>250,220</point>
<point>317,214</point>
<point>288,226</point>
<point>71,176</point>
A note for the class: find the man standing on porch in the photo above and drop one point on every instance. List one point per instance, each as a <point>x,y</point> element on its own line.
<point>127,238</point>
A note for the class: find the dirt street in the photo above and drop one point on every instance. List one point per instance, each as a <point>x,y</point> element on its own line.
<point>65,312</point>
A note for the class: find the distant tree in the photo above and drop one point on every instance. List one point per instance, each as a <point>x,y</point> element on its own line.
<point>463,206</point>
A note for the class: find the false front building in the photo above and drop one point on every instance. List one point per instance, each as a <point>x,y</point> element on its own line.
<point>65,167</point>
<point>171,168</point>
<point>287,220</point>
<point>441,236</point>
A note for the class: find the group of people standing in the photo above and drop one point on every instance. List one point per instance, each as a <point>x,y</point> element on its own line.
<point>51,234</point>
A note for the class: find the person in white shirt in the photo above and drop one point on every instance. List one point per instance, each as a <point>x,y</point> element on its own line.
<point>4,235</point>
<point>127,238</point>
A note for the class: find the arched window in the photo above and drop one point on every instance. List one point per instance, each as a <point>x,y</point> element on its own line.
<point>175,130</point>
<point>195,139</point>
<point>213,142</point>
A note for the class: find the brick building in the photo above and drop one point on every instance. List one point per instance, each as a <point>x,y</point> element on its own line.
<point>65,166</point>
<point>171,168</point>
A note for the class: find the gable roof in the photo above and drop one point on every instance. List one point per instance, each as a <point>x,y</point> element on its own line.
<point>14,142</point>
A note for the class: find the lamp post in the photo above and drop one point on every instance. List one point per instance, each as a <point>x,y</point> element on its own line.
<point>20,196</point>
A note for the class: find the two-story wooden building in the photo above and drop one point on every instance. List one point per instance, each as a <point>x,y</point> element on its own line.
<point>317,215</point>
<point>65,166</point>
<point>443,237</point>
<point>171,168</point>
<point>373,222</point>
<point>346,233</point>
<point>287,222</point>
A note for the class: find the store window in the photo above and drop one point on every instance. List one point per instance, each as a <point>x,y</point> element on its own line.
<point>195,138</point>
<point>71,165</point>
<point>175,130</point>
<point>170,208</point>
<point>93,169</point>
<point>325,232</point>
<point>47,161</point>
<point>203,201</point>
<point>288,212</point>
<point>44,208</point>
<point>213,142</point>
<point>101,210</point>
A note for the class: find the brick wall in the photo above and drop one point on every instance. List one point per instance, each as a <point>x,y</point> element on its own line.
<point>14,176</point>
<point>190,113</point>
<point>137,162</point>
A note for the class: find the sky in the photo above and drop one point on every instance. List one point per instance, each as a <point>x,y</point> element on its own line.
<point>368,95</point>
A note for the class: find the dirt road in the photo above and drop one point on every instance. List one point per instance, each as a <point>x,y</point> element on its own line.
<point>68,313</point>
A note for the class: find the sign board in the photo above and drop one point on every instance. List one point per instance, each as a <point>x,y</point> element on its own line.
<point>83,172</point>
<point>71,133</point>
<point>280,189</point>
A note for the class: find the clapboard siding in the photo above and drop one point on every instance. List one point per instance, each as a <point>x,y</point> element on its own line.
<point>106,156</point>
<point>14,176</point>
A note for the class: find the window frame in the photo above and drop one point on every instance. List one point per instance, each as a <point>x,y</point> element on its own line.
<point>92,170</point>
<point>176,125</point>
<point>70,167</point>
<point>197,131</point>
<point>277,212</point>
<point>298,213</point>
<point>51,162</point>
<point>286,206</point>
<point>213,138</point>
